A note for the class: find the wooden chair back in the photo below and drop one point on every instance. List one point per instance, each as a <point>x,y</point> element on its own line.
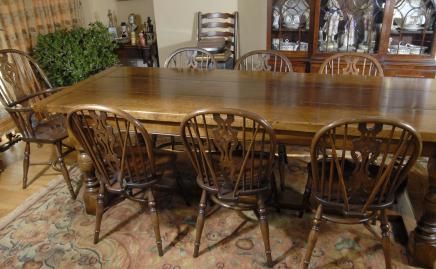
<point>351,63</point>
<point>264,60</point>
<point>22,83</point>
<point>20,77</point>
<point>192,58</point>
<point>231,150</point>
<point>119,146</point>
<point>359,164</point>
<point>225,25</point>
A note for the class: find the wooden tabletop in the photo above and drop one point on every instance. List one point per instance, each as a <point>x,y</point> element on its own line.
<point>296,102</point>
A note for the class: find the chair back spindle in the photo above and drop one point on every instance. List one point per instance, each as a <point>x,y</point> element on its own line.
<point>118,145</point>
<point>358,165</point>
<point>22,83</point>
<point>191,58</point>
<point>232,151</point>
<point>20,76</point>
<point>351,63</point>
<point>264,60</point>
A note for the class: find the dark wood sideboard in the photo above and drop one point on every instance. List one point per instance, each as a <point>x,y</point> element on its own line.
<point>139,56</point>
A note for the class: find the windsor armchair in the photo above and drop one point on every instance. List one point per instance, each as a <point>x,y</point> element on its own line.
<point>357,169</point>
<point>126,163</point>
<point>269,61</point>
<point>232,152</point>
<point>22,84</point>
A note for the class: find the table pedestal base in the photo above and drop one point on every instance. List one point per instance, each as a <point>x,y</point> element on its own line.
<point>422,241</point>
<point>91,183</point>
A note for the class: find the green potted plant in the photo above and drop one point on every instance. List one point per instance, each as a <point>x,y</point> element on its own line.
<point>69,56</point>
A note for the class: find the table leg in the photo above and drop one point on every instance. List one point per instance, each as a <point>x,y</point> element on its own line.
<point>91,183</point>
<point>146,55</point>
<point>422,241</point>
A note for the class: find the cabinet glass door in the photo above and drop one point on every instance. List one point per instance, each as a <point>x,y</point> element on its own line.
<point>412,27</point>
<point>290,25</point>
<point>350,25</point>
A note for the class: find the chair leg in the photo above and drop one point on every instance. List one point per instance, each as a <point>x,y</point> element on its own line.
<point>313,237</point>
<point>26,162</point>
<point>200,222</point>
<point>173,142</point>
<point>371,230</point>
<point>275,194</point>
<point>181,186</point>
<point>99,213</point>
<point>155,221</point>
<point>154,140</point>
<point>264,230</point>
<point>385,227</point>
<point>306,194</point>
<point>64,170</point>
<point>283,161</point>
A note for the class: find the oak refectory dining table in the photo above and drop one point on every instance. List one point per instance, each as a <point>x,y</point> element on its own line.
<point>296,104</point>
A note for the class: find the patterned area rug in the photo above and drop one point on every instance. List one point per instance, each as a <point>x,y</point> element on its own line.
<point>55,232</point>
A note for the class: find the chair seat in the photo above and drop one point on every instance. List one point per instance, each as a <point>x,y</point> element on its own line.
<point>212,45</point>
<point>357,200</point>
<point>49,130</point>
<point>165,167</point>
<point>223,56</point>
<point>227,185</point>
<point>244,202</point>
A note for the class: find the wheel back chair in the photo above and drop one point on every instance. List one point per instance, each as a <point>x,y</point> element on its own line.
<point>218,25</point>
<point>358,167</point>
<point>22,84</point>
<point>269,61</point>
<point>192,58</point>
<point>125,161</point>
<point>351,63</point>
<point>232,152</point>
<point>264,60</point>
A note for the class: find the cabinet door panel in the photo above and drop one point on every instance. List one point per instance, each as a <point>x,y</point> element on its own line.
<point>290,21</point>
<point>412,27</point>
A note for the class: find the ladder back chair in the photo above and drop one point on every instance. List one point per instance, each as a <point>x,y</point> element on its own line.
<point>358,167</point>
<point>123,156</point>
<point>221,25</point>
<point>232,152</point>
<point>351,63</point>
<point>22,84</point>
<point>191,58</point>
<point>264,60</point>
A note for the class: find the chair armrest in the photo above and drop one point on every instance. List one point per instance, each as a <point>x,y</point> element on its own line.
<point>47,91</point>
<point>19,109</point>
<point>56,89</point>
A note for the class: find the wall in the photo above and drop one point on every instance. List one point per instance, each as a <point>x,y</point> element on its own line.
<point>142,8</point>
<point>252,25</point>
<point>175,20</point>
<point>96,10</point>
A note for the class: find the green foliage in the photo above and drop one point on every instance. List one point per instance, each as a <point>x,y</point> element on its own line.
<point>69,56</point>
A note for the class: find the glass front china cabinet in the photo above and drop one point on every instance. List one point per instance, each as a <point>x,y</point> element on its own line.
<point>400,33</point>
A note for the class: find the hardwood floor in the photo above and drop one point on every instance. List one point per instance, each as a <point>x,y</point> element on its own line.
<point>11,192</point>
